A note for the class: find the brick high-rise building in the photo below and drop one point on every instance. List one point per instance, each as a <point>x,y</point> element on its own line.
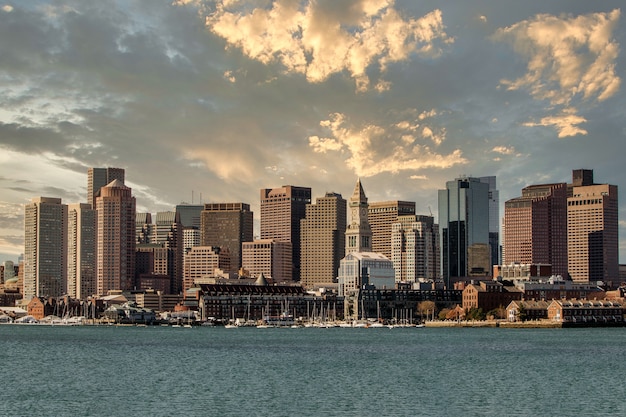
<point>281,211</point>
<point>269,257</point>
<point>322,241</point>
<point>535,227</point>
<point>45,248</point>
<point>381,216</point>
<point>81,251</point>
<point>115,249</point>
<point>592,229</point>
<point>227,225</point>
<point>168,232</point>
<point>98,178</point>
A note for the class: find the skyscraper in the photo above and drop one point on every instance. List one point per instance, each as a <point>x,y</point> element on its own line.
<point>45,248</point>
<point>227,225</point>
<point>494,219</point>
<point>381,215</point>
<point>415,248</point>
<point>81,251</point>
<point>98,178</point>
<point>322,241</point>
<point>535,227</point>
<point>464,227</point>
<point>115,249</point>
<point>592,229</point>
<point>168,232</point>
<point>144,229</point>
<point>281,211</point>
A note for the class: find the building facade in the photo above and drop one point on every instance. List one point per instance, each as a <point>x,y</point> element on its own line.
<point>81,251</point>
<point>381,216</point>
<point>45,248</point>
<point>169,233</point>
<point>227,225</point>
<point>463,224</point>
<point>269,257</point>
<point>322,241</point>
<point>202,262</point>
<point>115,248</point>
<point>592,229</point>
<point>358,231</point>
<point>535,227</point>
<point>415,248</point>
<point>281,211</point>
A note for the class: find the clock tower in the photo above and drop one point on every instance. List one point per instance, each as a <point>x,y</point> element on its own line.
<point>358,232</point>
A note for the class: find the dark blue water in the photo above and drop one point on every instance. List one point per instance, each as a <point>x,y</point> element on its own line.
<point>157,371</point>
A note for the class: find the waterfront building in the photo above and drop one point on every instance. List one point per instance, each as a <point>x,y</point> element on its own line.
<point>98,178</point>
<point>202,262</point>
<point>464,225</point>
<point>115,248</point>
<point>268,257</point>
<point>81,250</point>
<point>169,233</point>
<point>381,216</point>
<point>322,241</point>
<point>361,267</point>
<point>45,248</point>
<point>592,229</point>
<point>535,227</point>
<point>489,295</point>
<point>524,310</point>
<point>587,312</point>
<point>281,211</point>
<point>415,248</point>
<point>227,225</point>
<point>555,288</point>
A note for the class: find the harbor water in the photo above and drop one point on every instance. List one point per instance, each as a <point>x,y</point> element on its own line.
<point>203,371</point>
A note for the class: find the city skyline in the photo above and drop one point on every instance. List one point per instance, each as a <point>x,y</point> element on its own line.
<point>196,112</point>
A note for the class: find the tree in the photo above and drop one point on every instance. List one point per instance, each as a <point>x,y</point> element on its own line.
<point>426,308</point>
<point>475,314</point>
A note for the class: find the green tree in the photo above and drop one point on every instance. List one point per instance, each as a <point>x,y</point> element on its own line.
<point>475,314</point>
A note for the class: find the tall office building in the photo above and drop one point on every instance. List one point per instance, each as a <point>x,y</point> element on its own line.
<point>322,241</point>
<point>269,257</point>
<point>592,229</point>
<point>203,262</point>
<point>81,251</point>
<point>190,214</point>
<point>98,178</point>
<point>168,232</point>
<point>227,225</point>
<point>45,248</point>
<point>115,249</point>
<point>381,215</point>
<point>281,211</point>
<point>464,229</point>
<point>415,248</point>
<point>358,232</point>
<point>494,219</point>
<point>535,227</point>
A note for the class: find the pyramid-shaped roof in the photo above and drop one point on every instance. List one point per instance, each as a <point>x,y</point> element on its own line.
<point>116,184</point>
<point>359,194</point>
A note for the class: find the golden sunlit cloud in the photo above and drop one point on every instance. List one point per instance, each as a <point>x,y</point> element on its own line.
<point>569,58</point>
<point>317,41</point>
<point>372,150</point>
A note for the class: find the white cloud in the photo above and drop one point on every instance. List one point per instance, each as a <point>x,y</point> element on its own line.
<point>7,8</point>
<point>307,38</point>
<point>373,150</point>
<point>504,150</point>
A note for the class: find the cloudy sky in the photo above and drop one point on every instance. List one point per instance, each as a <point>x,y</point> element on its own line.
<point>209,101</point>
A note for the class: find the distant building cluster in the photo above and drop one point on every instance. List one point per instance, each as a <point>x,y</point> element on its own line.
<point>337,246</point>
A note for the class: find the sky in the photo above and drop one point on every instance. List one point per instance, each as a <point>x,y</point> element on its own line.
<point>210,101</point>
